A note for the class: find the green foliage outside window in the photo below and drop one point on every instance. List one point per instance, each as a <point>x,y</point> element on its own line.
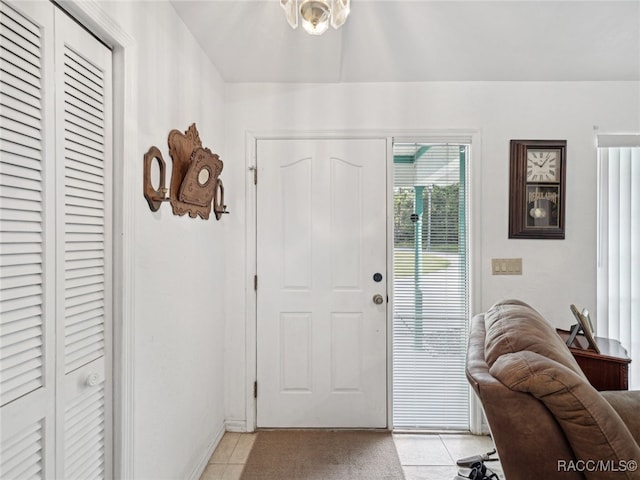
<point>442,234</point>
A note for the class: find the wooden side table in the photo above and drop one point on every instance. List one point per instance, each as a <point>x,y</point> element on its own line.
<point>607,370</point>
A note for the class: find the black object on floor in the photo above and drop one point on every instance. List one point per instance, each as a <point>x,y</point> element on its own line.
<point>469,461</point>
<point>478,471</point>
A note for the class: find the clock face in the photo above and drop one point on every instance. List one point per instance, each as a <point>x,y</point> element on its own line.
<point>542,166</point>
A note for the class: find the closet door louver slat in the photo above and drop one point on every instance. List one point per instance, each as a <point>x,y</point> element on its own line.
<point>27,386</point>
<point>84,338</point>
<point>21,216</point>
<point>84,436</point>
<point>22,454</point>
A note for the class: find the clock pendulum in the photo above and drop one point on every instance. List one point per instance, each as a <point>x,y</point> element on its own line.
<point>537,211</point>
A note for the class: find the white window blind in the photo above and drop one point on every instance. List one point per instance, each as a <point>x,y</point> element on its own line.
<point>430,390</point>
<point>618,282</point>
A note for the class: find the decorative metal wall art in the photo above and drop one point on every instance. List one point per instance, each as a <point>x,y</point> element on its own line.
<point>154,197</point>
<point>195,182</point>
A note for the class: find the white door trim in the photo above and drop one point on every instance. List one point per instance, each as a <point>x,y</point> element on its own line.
<point>125,140</point>
<point>475,253</point>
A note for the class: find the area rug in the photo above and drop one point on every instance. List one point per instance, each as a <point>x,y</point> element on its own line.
<point>323,454</point>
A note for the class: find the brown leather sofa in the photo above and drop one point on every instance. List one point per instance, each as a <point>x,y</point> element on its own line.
<point>546,419</point>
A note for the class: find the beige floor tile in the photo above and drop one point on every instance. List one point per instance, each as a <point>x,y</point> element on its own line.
<point>243,448</point>
<point>460,446</point>
<point>429,473</point>
<point>213,472</point>
<point>233,472</point>
<point>422,450</point>
<point>225,448</point>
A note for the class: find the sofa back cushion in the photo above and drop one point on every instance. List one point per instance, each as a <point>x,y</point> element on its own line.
<point>513,326</point>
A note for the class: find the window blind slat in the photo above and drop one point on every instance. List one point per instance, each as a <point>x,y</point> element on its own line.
<point>430,286</point>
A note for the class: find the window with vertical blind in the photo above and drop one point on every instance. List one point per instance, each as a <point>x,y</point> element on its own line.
<point>430,277</point>
<point>618,282</point>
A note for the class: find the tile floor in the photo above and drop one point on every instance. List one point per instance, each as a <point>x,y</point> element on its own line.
<point>433,457</point>
<point>229,458</point>
<point>423,456</point>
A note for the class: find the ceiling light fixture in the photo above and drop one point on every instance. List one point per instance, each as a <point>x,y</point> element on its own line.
<point>316,14</point>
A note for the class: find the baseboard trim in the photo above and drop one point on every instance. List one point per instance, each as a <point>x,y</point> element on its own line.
<point>239,426</point>
<point>200,467</point>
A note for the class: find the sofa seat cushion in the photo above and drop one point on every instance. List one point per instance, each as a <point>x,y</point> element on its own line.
<point>596,433</point>
<point>513,326</point>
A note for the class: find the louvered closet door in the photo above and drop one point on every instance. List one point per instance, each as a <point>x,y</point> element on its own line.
<point>83,96</point>
<point>55,276</point>
<point>27,283</point>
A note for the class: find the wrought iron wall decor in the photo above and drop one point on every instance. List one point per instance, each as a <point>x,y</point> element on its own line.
<point>195,184</point>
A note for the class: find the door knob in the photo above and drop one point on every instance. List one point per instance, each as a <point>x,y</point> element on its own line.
<point>377,299</point>
<point>93,380</point>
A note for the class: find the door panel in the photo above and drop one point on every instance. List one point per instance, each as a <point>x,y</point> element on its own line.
<point>321,210</point>
<point>83,97</point>
<point>27,329</point>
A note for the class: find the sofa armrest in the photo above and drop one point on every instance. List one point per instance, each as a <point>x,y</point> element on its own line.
<point>627,405</point>
<point>592,426</point>
<point>529,441</point>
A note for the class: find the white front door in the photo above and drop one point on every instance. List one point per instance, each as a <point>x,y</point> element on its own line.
<point>321,260</point>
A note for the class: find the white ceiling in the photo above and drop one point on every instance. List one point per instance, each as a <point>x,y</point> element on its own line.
<point>423,40</point>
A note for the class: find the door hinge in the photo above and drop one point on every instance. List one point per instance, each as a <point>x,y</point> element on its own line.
<point>254,169</point>
<point>255,282</point>
<point>255,389</point>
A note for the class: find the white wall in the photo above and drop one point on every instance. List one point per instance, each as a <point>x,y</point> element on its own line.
<point>178,263</point>
<point>555,272</point>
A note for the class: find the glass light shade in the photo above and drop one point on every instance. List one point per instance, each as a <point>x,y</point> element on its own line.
<point>315,16</point>
<point>291,11</point>
<point>339,12</point>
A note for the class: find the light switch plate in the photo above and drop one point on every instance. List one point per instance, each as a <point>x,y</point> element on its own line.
<point>506,266</point>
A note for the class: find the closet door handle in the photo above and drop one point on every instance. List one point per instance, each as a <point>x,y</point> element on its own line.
<point>93,379</point>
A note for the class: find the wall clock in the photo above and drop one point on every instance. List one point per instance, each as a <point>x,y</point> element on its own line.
<point>537,188</point>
